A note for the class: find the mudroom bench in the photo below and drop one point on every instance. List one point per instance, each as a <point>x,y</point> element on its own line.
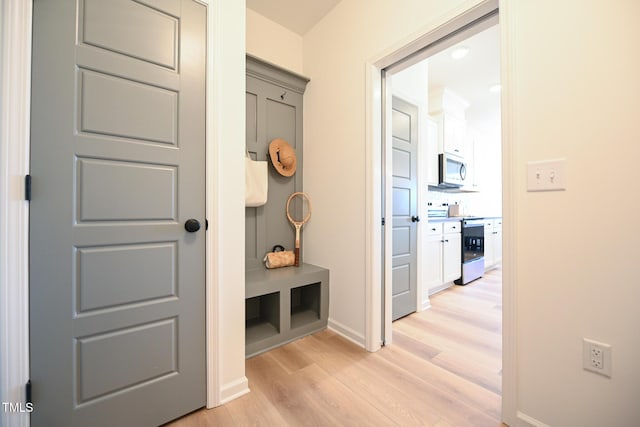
<point>284,304</point>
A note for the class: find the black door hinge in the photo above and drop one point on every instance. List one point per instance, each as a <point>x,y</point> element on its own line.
<point>28,392</point>
<point>27,188</point>
<point>383,221</point>
<point>206,224</point>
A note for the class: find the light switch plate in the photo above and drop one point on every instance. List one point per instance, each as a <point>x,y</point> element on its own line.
<point>546,175</point>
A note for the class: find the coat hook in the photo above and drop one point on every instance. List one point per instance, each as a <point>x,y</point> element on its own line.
<point>283,94</point>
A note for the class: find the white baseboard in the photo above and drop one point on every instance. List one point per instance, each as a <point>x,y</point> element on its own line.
<point>530,421</point>
<point>233,390</point>
<point>440,288</point>
<point>426,304</point>
<point>347,333</point>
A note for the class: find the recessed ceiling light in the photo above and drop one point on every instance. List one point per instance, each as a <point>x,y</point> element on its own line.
<point>495,87</point>
<point>459,52</point>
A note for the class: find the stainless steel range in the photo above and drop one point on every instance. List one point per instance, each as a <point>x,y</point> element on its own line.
<point>472,250</point>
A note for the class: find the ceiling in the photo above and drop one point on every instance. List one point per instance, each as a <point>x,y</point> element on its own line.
<point>471,76</point>
<point>298,16</point>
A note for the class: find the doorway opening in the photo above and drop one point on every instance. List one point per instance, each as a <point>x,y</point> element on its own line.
<point>382,86</point>
<point>439,83</point>
<point>445,167</point>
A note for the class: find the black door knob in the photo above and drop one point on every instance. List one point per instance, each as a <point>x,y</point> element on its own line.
<point>192,225</point>
<point>415,219</point>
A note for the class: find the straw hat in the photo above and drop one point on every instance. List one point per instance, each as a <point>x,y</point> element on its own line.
<point>283,157</point>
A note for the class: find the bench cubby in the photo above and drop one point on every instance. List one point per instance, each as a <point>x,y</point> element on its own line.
<point>284,304</point>
<point>262,317</point>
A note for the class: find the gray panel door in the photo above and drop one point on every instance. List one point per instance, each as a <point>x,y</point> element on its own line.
<point>117,283</point>
<point>404,235</point>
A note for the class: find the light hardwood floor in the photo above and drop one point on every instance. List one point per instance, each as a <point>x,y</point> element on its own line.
<point>443,369</point>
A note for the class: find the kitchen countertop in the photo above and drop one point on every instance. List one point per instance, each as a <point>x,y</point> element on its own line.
<point>460,218</point>
<point>448,219</point>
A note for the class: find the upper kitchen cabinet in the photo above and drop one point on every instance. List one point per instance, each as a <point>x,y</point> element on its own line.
<point>452,133</point>
<point>448,110</point>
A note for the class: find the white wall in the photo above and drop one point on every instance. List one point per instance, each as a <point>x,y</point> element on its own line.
<point>412,84</point>
<point>225,203</point>
<point>488,158</point>
<point>335,53</point>
<point>273,43</point>
<point>574,95</point>
<point>574,92</point>
<point>575,67</point>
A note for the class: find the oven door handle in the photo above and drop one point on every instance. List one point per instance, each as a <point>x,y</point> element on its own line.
<point>467,226</point>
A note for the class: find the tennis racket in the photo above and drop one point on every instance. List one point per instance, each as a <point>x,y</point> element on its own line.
<point>298,214</point>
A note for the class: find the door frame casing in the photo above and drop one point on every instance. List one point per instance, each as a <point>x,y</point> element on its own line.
<point>15,89</point>
<point>375,235</point>
<point>15,65</point>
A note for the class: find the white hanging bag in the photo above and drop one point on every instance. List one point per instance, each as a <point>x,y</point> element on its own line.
<point>256,182</point>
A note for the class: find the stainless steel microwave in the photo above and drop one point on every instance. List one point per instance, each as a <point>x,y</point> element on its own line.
<point>452,171</point>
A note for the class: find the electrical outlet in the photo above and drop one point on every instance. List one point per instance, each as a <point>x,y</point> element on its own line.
<point>546,175</point>
<point>596,357</point>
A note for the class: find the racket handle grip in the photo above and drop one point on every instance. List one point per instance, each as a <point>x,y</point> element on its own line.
<point>297,255</point>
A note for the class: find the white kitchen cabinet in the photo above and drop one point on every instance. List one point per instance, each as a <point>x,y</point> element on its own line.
<point>451,133</point>
<point>448,109</point>
<point>488,244</point>
<point>492,243</point>
<point>452,254</point>
<point>443,255</point>
<point>433,256</point>
<point>497,242</point>
<point>454,134</point>
<point>432,152</point>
